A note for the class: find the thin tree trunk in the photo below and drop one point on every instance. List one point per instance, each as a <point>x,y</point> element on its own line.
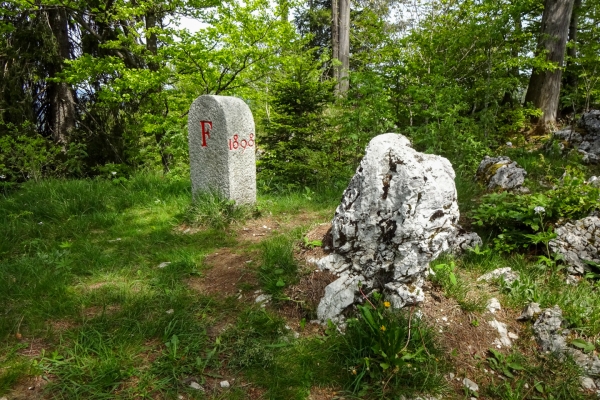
<point>544,85</point>
<point>335,42</point>
<point>344,43</point>
<point>570,75</point>
<point>61,97</point>
<point>153,65</point>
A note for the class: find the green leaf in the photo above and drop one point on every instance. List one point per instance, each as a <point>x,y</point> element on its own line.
<point>453,280</point>
<point>538,386</point>
<point>516,366</point>
<point>384,366</point>
<point>280,283</point>
<point>584,345</point>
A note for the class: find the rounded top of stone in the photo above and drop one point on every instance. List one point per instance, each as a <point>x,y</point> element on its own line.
<point>390,138</point>
<point>224,101</point>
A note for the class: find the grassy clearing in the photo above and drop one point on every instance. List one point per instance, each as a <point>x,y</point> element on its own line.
<point>92,308</point>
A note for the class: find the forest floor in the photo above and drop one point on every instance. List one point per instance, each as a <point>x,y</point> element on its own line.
<point>128,291</point>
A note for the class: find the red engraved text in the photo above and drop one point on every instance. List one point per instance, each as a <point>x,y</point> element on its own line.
<point>206,127</point>
<point>244,144</point>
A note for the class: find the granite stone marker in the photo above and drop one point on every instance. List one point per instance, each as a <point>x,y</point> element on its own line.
<point>222,143</point>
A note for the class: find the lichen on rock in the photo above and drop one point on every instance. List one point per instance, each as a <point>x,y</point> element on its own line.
<point>500,173</point>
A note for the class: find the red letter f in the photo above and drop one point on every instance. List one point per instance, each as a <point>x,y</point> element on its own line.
<point>205,131</point>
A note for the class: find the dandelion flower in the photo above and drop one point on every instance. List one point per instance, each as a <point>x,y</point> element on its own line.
<point>382,328</point>
<point>387,304</point>
<point>539,210</point>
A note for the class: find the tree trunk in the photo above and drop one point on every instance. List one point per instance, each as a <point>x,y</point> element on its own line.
<point>335,42</point>
<point>544,85</point>
<point>153,65</point>
<point>61,97</point>
<point>570,75</point>
<point>344,43</point>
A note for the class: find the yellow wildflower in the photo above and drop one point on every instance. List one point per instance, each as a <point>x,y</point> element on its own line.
<point>387,304</point>
<point>382,328</point>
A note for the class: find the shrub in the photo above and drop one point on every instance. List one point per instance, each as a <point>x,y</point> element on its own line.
<point>525,220</point>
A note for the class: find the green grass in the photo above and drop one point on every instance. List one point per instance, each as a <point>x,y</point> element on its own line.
<point>80,262</point>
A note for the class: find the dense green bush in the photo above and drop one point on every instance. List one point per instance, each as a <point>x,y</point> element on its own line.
<point>528,219</point>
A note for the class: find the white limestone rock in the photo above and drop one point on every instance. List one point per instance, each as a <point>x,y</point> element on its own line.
<point>469,384</point>
<point>529,312</point>
<point>505,273</point>
<point>504,340</point>
<point>464,241</point>
<point>577,242</point>
<point>493,305</point>
<point>398,213</point>
<point>222,144</point>
<point>547,328</point>
<point>500,173</point>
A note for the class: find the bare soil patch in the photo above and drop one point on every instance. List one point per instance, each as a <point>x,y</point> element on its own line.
<point>228,274</point>
<point>35,347</point>
<point>319,393</point>
<point>465,337</point>
<point>95,311</point>
<point>187,229</point>
<point>30,388</point>
<point>256,230</point>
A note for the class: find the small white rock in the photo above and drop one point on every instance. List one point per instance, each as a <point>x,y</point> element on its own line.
<point>170,311</point>
<point>571,280</point>
<point>451,376</point>
<point>493,305</point>
<point>469,384</point>
<point>263,298</point>
<point>164,264</point>
<point>587,383</point>
<point>195,385</point>
<point>224,384</point>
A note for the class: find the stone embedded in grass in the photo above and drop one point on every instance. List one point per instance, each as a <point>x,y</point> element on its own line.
<point>398,213</point>
<point>585,138</point>
<point>263,298</point>
<point>553,338</point>
<point>500,173</point>
<point>530,311</point>
<point>505,336</point>
<point>493,305</point>
<point>465,241</point>
<point>222,147</point>
<point>224,384</point>
<point>549,332</point>
<point>164,264</point>
<point>505,273</point>
<point>469,384</point>
<point>578,242</point>
<point>587,383</point>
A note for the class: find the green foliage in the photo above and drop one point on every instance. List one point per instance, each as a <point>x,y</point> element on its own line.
<point>278,268</point>
<point>389,352</point>
<point>504,364</point>
<point>514,218</point>
<point>445,275</point>
<point>297,149</point>
<point>213,210</point>
<point>255,339</point>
